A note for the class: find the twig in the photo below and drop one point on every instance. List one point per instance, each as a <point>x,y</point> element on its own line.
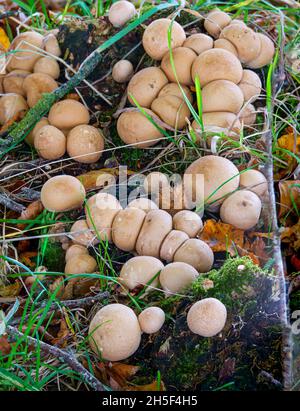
<point>12,205</point>
<point>60,354</point>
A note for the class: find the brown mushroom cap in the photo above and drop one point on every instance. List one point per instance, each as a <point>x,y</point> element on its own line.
<point>174,90</point>
<point>225,121</point>
<point>188,222</point>
<point>151,320</point>
<point>241,209</point>
<point>122,71</point>
<point>207,317</point>
<point>225,45</point>
<point>255,181</point>
<point>10,106</point>
<point>80,264</point>
<point>50,143</point>
<point>68,114</point>
<point>175,277</point>
<point>114,332</point>
<point>199,42</point>
<point>196,253</point>
<point>140,270</point>
<point>247,115</point>
<point>266,53</point>
<point>136,129</point>
<point>222,95</point>
<point>121,12</point>
<point>250,85</point>
<point>155,37</point>
<point>145,86</point>
<point>220,177</point>
<point>171,244</point>
<point>47,65</point>
<point>85,144</point>
<point>81,234</point>
<point>172,110</point>
<point>215,21</point>
<point>35,85</point>
<point>100,212</point>
<point>155,182</point>
<point>13,82</point>
<point>245,40</point>
<point>156,226</point>
<point>144,204</point>
<point>25,60</point>
<point>126,227</point>
<point>51,45</point>
<point>183,58</point>
<point>31,136</point>
<point>62,193</point>
<point>75,250</point>
<point>217,64</point>
<point>237,21</point>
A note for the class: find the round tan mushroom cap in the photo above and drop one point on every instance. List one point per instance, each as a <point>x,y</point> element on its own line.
<point>144,204</point>
<point>145,86</point>
<point>266,53</point>
<point>222,95</point>
<point>50,143</point>
<point>151,320</point>
<point>31,136</point>
<point>172,110</point>
<point>135,129</point>
<point>85,144</point>
<point>126,227</point>
<point>122,71</point>
<point>225,45</point>
<point>62,193</point>
<point>121,12</point>
<point>81,234</point>
<point>222,121</point>
<point>241,209</point>
<point>13,82</point>
<point>255,181</point>
<point>247,115</point>
<point>10,106</point>
<point>171,243</point>
<point>199,42</point>
<point>155,37</point>
<point>21,59</point>
<point>182,58</point>
<point>140,270</point>
<point>47,65</point>
<point>174,90</point>
<point>51,45</point>
<point>175,277</point>
<point>250,85</point>
<point>75,250</point>
<point>67,114</point>
<point>114,332</point>
<point>188,222</point>
<point>155,182</point>
<point>195,253</point>
<point>80,264</point>
<point>215,21</point>
<point>36,84</point>
<point>217,64</point>
<point>207,317</point>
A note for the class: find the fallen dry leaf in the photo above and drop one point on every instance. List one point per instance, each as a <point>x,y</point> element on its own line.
<point>291,236</point>
<point>62,335</point>
<point>26,257</point>
<point>99,178</point>
<point>31,212</point>
<point>288,142</point>
<point>4,40</point>
<point>11,290</point>
<point>289,196</point>
<point>5,347</point>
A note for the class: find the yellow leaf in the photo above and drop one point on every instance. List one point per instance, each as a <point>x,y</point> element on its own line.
<point>4,40</point>
<point>11,290</point>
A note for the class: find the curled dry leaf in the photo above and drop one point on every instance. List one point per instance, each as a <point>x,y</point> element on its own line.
<point>288,143</point>
<point>289,197</point>
<point>4,40</point>
<point>11,290</point>
<point>5,347</point>
<point>31,212</point>
<point>26,258</point>
<point>291,236</point>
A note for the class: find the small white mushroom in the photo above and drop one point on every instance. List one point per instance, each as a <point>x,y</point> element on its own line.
<point>151,320</point>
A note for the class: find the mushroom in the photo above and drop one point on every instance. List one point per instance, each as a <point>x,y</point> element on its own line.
<point>250,85</point>
<point>247,115</point>
<point>100,211</point>
<point>135,129</point>
<point>222,95</point>
<point>80,264</point>
<point>145,86</point>
<point>22,56</point>
<point>245,40</point>
<point>35,85</point>
<point>174,90</point>
<point>155,182</point>
<point>196,253</point>
<point>199,42</point>
<point>266,53</point>
<point>188,222</point>
<point>172,110</point>
<point>140,270</point>
<point>114,332</point>
<point>228,123</point>
<point>217,64</point>
<point>220,178</point>
<point>225,45</point>
<point>180,68</point>
<point>254,181</point>
<point>207,317</point>
<point>62,193</point>
<point>81,234</point>
<point>241,209</point>
<point>156,226</point>
<point>85,144</point>
<point>120,13</point>
<point>126,227</point>
<point>237,21</point>
<point>47,65</point>
<point>10,106</point>
<point>75,250</point>
<point>51,45</point>
<point>31,136</point>
<point>175,277</point>
<point>13,82</point>
<point>67,114</point>
<point>171,244</point>
<point>50,143</point>
<point>151,320</point>
<point>155,37</point>
<point>215,21</point>
<point>143,203</point>
<point>122,71</point>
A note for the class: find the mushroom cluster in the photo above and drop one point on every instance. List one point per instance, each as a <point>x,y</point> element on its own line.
<point>162,94</point>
